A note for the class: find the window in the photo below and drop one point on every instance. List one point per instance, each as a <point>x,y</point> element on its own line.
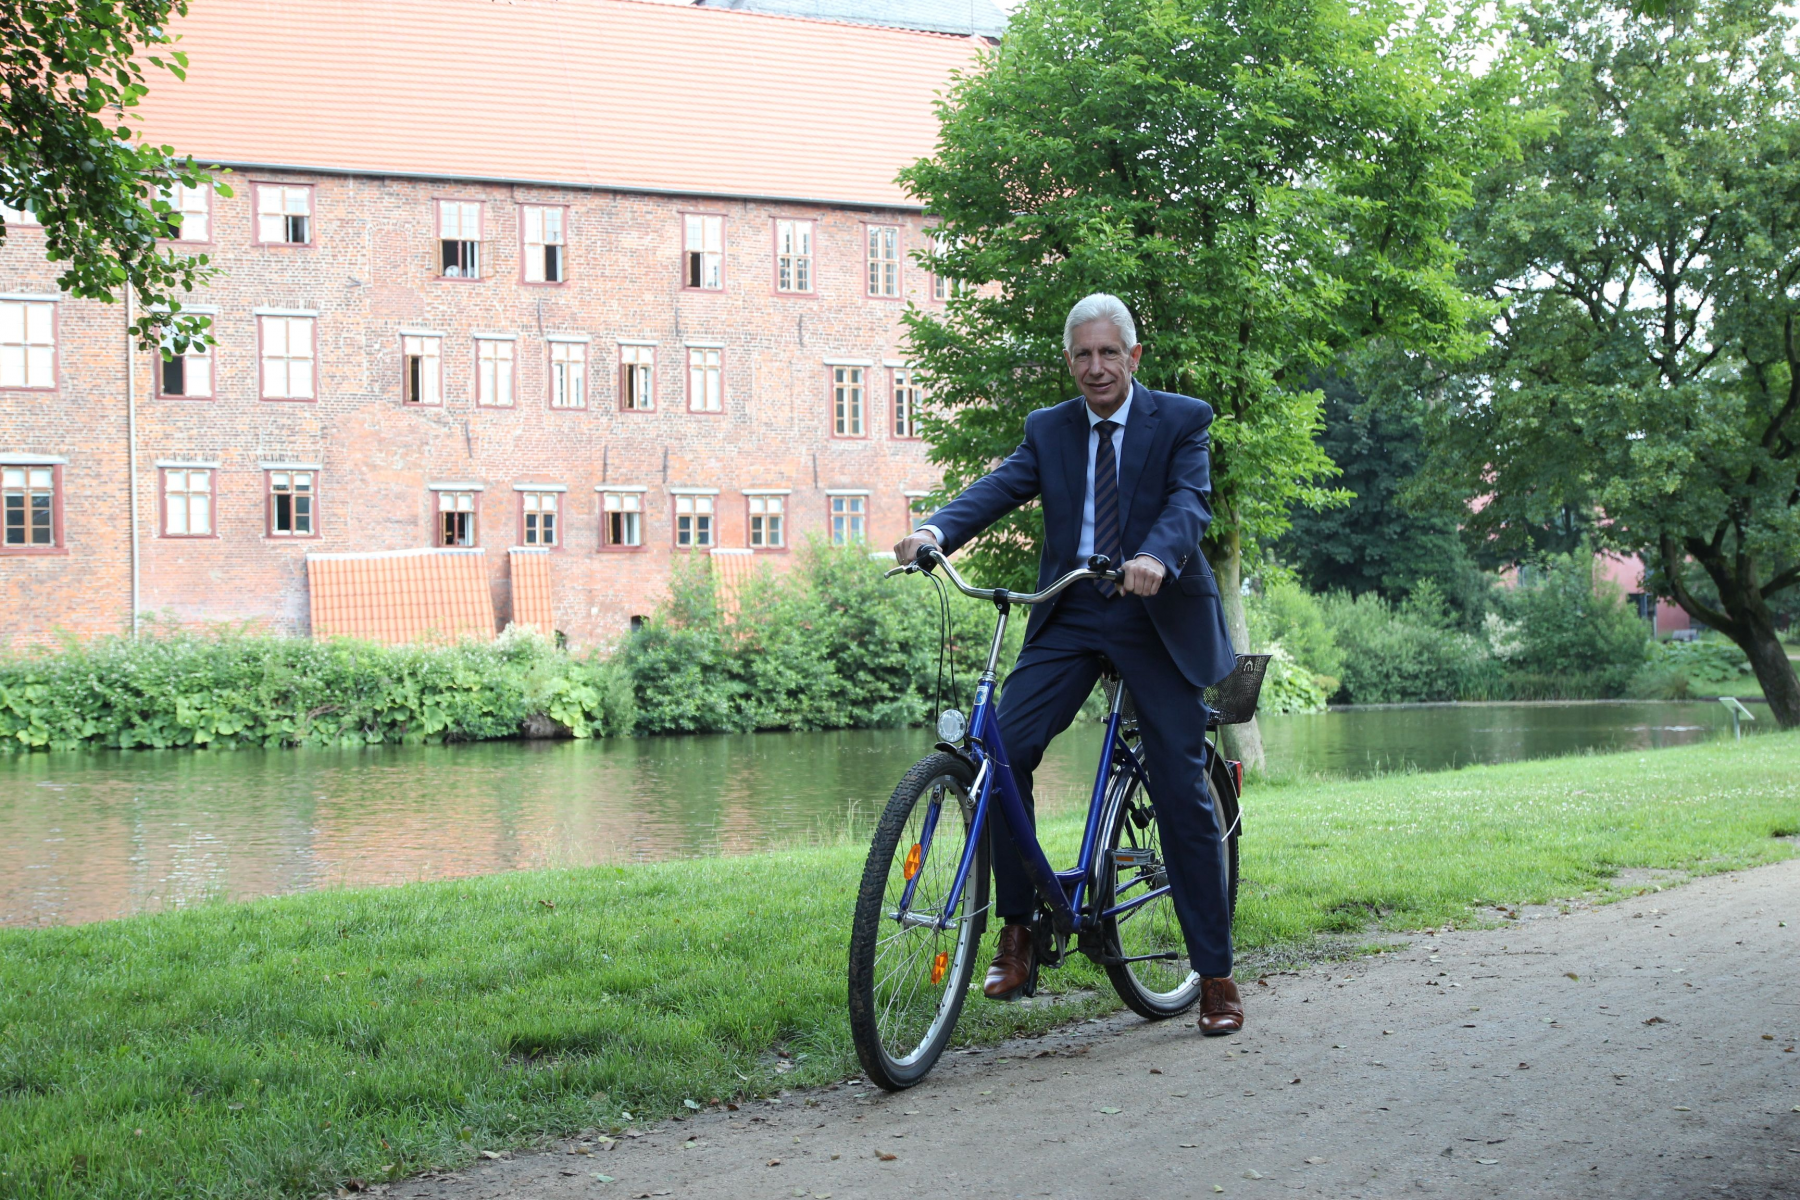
<point>283,214</point>
<point>28,344</point>
<point>459,239</point>
<point>907,395</point>
<point>537,518</point>
<point>291,500</point>
<point>703,245</point>
<point>793,256</point>
<point>568,374</point>
<point>541,227</point>
<point>423,357</point>
<point>848,515</point>
<point>942,286</point>
<point>14,217</point>
<point>187,502</point>
<point>694,521</point>
<point>494,372</point>
<point>189,374</point>
<point>637,378</point>
<point>706,377</point>
<point>456,518</point>
<point>189,215</point>
<point>847,401</point>
<point>884,260</point>
<point>28,508</point>
<point>765,522</point>
<point>622,519</point>
<point>287,358</point>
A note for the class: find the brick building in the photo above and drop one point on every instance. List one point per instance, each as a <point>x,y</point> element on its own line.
<point>580,285</point>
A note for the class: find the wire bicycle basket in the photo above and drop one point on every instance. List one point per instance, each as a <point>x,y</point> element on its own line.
<point>1232,700</point>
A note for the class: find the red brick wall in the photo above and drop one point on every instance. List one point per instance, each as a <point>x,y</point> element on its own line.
<point>369,274</point>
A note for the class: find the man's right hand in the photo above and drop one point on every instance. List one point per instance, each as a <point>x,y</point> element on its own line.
<point>906,551</point>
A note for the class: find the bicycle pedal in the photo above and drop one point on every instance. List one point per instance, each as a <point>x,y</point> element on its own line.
<point>1133,857</point>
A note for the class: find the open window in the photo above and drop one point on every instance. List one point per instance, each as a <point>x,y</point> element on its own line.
<point>459,239</point>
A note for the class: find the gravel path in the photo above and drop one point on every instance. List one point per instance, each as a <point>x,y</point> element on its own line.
<point>1645,1049</point>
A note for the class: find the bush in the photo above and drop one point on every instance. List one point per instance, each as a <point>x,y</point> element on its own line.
<point>1569,628</point>
<point>830,644</point>
<point>226,688</point>
<point>1394,654</point>
<point>1681,670</point>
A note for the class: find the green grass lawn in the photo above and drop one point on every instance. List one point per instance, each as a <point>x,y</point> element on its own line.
<point>284,1046</point>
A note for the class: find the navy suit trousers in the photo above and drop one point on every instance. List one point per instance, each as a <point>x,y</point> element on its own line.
<point>1055,673</point>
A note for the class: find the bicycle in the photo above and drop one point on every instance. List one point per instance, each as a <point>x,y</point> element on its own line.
<point>923,904</point>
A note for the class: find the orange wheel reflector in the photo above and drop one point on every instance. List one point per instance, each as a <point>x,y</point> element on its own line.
<point>912,865</point>
<point>938,964</point>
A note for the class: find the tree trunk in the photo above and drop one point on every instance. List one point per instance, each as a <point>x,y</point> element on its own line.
<point>1775,671</point>
<point>1746,621</point>
<point>1242,742</point>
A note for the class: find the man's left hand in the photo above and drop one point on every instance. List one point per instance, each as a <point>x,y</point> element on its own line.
<point>1143,576</point>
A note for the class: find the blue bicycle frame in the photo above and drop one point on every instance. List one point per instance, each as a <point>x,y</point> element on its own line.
<point>1063,892</point>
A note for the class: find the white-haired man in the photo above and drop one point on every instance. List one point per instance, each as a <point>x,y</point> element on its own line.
<point>1124,472</point>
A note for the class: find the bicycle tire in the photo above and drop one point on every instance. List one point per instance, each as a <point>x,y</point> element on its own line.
<point>1154,988</point>
<point>907,984</point>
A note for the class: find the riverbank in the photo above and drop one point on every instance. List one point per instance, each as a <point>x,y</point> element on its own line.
<point>289,1045</point>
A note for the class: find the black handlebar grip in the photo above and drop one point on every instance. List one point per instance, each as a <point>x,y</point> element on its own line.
<point>923,559</point>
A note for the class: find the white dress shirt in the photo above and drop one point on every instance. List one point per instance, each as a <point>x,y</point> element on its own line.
<point>1085,547</point>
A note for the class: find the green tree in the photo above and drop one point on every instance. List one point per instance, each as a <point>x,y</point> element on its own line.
<point>1265,182</point>
<point>1647,367</point>
<point>69,71</point>
<point>1382,541</point>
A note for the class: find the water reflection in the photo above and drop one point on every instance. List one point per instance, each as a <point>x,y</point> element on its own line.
<point>86,837</point>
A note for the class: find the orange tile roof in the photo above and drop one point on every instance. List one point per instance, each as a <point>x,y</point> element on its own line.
<point>605,93</point>
<point>531,589</point>
<point>730,569</point>
<point>401,595</point>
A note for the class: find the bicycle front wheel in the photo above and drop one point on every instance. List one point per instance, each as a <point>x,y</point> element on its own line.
<point>1145,952</point>
<point>909,966</point>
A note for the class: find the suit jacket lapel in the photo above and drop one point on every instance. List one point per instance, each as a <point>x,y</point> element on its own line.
<point>1139,432</point>
<point>1074,462</point>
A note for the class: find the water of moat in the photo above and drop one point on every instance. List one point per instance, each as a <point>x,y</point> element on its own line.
<point>90,836</point>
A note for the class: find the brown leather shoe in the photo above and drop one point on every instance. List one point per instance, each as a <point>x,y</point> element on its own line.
<point>1011,972</point>
<point>1221,1009</point>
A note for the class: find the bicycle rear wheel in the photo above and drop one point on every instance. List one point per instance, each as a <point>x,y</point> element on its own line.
<point>908,977</point>
<point>1145,952</point>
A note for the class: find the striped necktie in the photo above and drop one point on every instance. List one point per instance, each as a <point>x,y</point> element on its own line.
<point>1106,502</point>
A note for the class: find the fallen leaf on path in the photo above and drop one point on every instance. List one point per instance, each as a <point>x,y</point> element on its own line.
<point>1577,979</point>
<point>1683,1108</point>
<point>491,1154</point>
<point>693,1104</point>
<point>1158,1070</point>
<point>774,1162</point>
<point>1252,1174</point>
<point>1524,1066</point>
<point>885,1157</point>
<point>1217,1188</point>
<point>1190,1145</point>
<point>1315,1161</point>
<point>599,1178</point>
<point>1110,1111</point>
<point>1656,1021</point>
<point>1487,1162</point>
<point>1296,1079</point>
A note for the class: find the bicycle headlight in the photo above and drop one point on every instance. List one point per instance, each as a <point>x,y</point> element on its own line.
<point>951,726</point>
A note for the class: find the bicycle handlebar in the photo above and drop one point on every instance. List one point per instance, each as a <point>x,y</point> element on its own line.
<point>1098,568</point>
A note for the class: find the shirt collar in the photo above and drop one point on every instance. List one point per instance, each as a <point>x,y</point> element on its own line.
<point>1118,418</point>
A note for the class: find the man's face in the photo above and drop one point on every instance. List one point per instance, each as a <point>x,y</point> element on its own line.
<point>1101,364</point>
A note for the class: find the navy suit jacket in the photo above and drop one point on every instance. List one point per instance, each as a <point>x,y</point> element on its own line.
<point>1165,498</point>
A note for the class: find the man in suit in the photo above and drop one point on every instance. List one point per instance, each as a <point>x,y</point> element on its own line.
<point>1125,472</point>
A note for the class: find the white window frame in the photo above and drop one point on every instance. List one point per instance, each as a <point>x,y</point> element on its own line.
<point>496,374</point>
<point>849,401</point>
<point>422,370</point>
<point>637,377</point>
<point>28,482</point>
<point>458,501</point>
<point>696,521</point>
<point>703,252</point>
<point>460,222</point>
<point>568,374</point>
<point>849,518</point>
<point>542,230</point>
<point>794,256</point>
<point>767,526</point>
<point>301,487</point>
<point>628,505</point>
<point>190,212</point>
<point>278,207</point>
<point>883,245</point>
<point>284,374</point>
<point>197,489</point>
<point>28,349</point>
<point>706,379</point>
<point>197,375</point>
<point>546,505</point>
<point>906,396</point>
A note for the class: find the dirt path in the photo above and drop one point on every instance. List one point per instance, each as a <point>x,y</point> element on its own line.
<point>1640,1050</point>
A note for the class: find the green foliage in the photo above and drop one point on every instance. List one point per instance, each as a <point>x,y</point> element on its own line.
<point>69,71</point>
<point>1646,247</point>
<point>830,644</point>
<point>1684,670</point>
<point>1567,626</point>
<point>1265,182</point>
<point>1385,539</point>
<point>1406,653</point>
<point>231,689</point>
